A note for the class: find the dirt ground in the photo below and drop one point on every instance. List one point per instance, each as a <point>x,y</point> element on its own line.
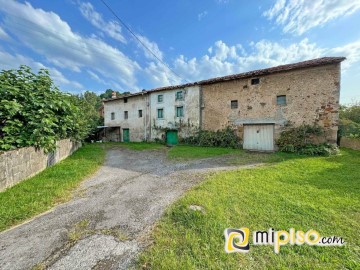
<point>107,222</point>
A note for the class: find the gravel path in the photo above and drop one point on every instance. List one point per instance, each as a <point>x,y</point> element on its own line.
<point>106,224</point>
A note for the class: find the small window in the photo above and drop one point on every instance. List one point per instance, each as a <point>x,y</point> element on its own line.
<point>140,113</point>
<point>126,115</point>
<point>281,100</point>
<point>125,100</point>
<point>112,116</point>
<point>255,81</point>
<point>179,95</point>
<point>160,113</point>
<point>180,111</point>
<point>160,98</point>
<point>234,104</point>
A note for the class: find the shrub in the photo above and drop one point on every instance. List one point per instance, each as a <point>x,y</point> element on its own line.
<point>221,138</point>
<point>301,140</point>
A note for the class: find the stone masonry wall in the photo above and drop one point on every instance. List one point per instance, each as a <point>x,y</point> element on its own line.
<point>352,143</point>
<point>312,96</point>
<point>20,164</point>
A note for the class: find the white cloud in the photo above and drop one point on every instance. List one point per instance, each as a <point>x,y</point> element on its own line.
<point>202,15</point>
<point>47,34</point>
<point>3,34</point>
<point>222,1</point>
<point>111,28</point>
<point>152,46</point>
<point>13,61</point>
<point>96,77</point>
<point>222,59</point>
<point>351,51</point>
<point>298,16</point>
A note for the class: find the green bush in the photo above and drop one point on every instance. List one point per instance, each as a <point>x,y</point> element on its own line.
<point>221,138</point>
<point>349,128</point>
<point>300,140</point>
<point>34,112</point>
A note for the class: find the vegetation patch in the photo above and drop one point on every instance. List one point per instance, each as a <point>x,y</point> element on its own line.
<point>50,187</point>
<point>320,193</point>
<point>221,138</point>
<point>302,139</point>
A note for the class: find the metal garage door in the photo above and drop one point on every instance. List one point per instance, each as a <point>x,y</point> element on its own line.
<point>259,137</point>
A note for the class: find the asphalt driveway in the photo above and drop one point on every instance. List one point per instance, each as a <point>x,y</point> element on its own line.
<point>107,222</point>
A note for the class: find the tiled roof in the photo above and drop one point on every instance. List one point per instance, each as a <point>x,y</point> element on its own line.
<point>254,73</point>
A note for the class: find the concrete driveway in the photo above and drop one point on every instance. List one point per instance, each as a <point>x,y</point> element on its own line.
<point>107,222</point>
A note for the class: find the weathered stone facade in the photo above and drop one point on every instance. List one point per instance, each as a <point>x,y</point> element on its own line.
<point>138,126</point>
<point>20,164</point>
<point>185,124</point>
<point>312,97</point>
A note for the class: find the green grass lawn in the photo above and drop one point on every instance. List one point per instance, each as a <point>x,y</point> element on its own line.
<point>50,187</point>
<point>320,193</point>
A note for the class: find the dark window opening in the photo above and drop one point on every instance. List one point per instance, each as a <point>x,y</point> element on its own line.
<point>234,104</point>
<point>126,115</point>
<point>179,95</point>
<point>160,98</point>
<point>180,111</point>
<point>140,113</point>
<point>112,116</point>
<point>255,81</point>
<point>125,100</point>
<point>281,100</point>
<point>160,113</point>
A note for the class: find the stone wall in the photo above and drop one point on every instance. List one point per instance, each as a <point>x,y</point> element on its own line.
<point>138,125</point>
<point>20,164</point>
<point>351,143</point>
<point>312,97</point>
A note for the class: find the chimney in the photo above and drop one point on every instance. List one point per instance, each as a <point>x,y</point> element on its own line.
<point>113,94</point>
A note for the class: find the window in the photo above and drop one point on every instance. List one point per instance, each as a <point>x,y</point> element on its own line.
<point>112,116</point>
<point>140,113</point>
<point>126,115</point>
<point>255,81</point>
<point>125,100</point>
<point>234,104</point>
<point>160,113</point>
<point>160,98</point>
<point>281,100</point>
<point>180,111</point>
<point>179,95</point>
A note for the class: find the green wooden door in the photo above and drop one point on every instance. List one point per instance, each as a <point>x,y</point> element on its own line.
<point>126,135</point>
<point>172,137</point>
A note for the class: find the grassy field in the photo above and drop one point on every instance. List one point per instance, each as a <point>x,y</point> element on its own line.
<point>50,187</point>
<point>320,193</point>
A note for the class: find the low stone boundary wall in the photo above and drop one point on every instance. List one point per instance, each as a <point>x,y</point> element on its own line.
<point>350,143</point>
<point>20,164</point>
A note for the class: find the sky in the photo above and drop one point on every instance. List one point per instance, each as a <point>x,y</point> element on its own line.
<point>85,47</point>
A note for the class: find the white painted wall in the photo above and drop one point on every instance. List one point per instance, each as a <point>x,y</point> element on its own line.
<point>191,119</point>
<point>138,127</point>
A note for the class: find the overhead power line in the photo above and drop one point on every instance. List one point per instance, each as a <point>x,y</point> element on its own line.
<point>139,40</point>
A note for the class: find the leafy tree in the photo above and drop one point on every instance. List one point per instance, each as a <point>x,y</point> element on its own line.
<point>349,125</point>
<point>108,94</point>
<point>33,111</point>
<point>351,112</point>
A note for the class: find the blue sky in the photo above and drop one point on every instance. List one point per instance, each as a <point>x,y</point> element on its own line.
<point>85,48</point>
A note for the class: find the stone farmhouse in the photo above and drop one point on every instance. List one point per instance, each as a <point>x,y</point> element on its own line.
<point>256,104</point>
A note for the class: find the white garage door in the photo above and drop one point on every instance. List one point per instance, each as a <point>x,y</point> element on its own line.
<point>259,137</point>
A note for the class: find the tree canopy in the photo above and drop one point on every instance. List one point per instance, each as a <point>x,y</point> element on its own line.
<point>34,112</point>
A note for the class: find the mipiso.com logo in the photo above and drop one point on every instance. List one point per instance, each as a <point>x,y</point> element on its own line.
<point>237,240</point>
